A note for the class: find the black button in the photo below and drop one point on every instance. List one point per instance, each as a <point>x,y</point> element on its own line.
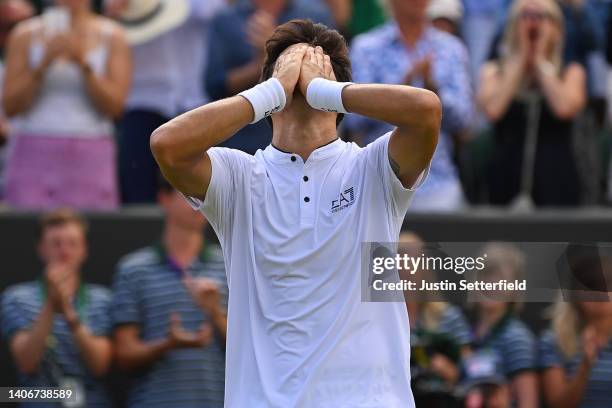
<point>293,158</point>
<point>305,178</point>
<point>307,199</point>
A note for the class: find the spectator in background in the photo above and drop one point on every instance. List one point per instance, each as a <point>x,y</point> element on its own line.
<point>365,15</point>
<point>168,40</point>
<point>497,328</point>
<point>440,334</point>
<point>575,356</point>
<point>65,81</point>
<point>11,13</point>
<point>238,38</point>
<point>484,383</point>
<point>409,51</point>
<point>532,98</point>
<point>169,314</point>
<point>446,15</point>
<point>584,31</point>
<point>57,326</point>
<point>481,24</point>
<point>353,17</point>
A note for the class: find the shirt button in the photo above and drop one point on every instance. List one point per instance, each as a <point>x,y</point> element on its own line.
<point>307,199</point>
<point>305,178</point>
<point>293,158</point>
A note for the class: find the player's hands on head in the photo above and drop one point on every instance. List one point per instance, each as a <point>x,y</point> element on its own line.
<point>316,64</point>
<point>287,69</point>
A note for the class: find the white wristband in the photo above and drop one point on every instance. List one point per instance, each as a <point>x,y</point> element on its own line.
<point>326,95</point>
<point>266,98</point>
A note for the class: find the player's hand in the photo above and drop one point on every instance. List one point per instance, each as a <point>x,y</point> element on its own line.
<point>316,64</point>
<point>287,70</point>
<point>205,293</point>
<point>181,338</point>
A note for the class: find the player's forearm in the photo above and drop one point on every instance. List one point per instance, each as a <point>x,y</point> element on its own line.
<point>184,139</point>
<point>28,347</point>
<point>141,354</point>
<point>398,105</point>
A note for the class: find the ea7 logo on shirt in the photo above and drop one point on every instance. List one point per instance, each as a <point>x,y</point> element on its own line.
<point>346,199</point>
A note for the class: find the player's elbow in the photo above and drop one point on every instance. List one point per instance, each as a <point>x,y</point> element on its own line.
<point>425,113</point>
<point>162,146</point>
<point>432,109</point>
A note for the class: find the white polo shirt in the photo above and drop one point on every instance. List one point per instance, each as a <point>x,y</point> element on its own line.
<point>291,232</point>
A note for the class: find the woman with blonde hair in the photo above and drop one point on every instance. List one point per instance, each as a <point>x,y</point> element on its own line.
<point>66,80</point>
<point>532,98</point>
<point>575,355</point>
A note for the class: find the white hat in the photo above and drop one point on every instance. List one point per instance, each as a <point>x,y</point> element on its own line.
<point>449,9</point>
<point>144,20</point>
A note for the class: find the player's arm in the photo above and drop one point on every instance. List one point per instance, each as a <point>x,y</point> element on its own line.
<point>416,113</point>
<point>180,145</point>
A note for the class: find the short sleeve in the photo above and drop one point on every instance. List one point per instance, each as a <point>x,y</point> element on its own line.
<point>548,352</point>
<point>101,321</point>
<point>125,298</point>
<point>230,170</point>
<point>397,196</point>
<point>518,349</point>
<point>13,317</point>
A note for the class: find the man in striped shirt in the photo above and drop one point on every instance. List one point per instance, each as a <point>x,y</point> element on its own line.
<point>169,314</point>
<point>57,326</point>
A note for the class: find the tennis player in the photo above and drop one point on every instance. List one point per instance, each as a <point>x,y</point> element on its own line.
<point>292,217</point>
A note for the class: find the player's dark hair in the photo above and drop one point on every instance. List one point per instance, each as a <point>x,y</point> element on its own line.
<point>315,34</point>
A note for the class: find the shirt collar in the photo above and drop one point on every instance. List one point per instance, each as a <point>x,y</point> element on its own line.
<point>328,150</point>
<point>165,259</point>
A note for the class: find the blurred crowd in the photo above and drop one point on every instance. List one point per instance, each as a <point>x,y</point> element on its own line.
<point>156,338</point>
<point>525,88</point>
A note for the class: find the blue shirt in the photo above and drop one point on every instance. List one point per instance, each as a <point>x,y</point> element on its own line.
<point>230,49</point>
<point>21,305</point>
<point>381,56</point>
<point>452,323</point>
<point>146,291</point>
<point>598,390</point>
<point>514,343</point>
<point>485,7</point>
